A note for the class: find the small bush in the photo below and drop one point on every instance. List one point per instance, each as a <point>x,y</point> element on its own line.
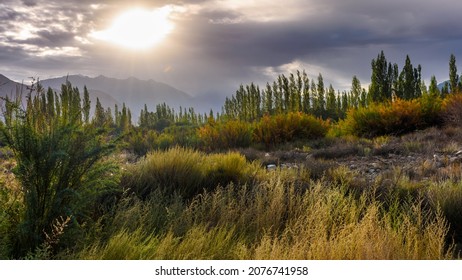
<point>176,170</point>
<point>185,172</point>
<point>223,169</point>
<point>141,142</point>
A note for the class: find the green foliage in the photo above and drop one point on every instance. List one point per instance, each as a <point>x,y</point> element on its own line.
<point>274,130</point>
<point>398,117</point>
<point>453,76</point>
<point>58,159</point>
<point>383,77</point>
<point>11,211</point>
<point>184,172</point>
<point>447,196</point>
<point>225,135</point>
<point>286,95</point>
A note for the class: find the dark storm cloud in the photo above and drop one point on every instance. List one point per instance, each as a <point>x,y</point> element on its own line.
<point>331,33</point>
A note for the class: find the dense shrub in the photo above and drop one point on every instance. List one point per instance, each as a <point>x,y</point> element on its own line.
<point>185,172</point>
<point>141,141</point>
<point>273,130</point>
<point>60,164</point>
<point>225,135</point>
<point>395,118</point>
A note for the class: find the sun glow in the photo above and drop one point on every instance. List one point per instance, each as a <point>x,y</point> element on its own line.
<point>138,28</point>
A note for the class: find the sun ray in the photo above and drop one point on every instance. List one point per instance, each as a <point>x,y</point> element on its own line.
<point>138,28</point>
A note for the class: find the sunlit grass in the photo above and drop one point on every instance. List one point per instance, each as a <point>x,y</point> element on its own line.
<point>274,219</point>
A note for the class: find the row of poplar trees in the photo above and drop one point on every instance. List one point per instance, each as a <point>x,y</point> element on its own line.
<point>298,93</point>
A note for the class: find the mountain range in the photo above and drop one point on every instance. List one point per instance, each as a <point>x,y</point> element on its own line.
<point>110,91</point>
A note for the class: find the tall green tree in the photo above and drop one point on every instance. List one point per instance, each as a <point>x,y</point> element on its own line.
<point>380,87</point>
<point>433,89</point>
<point>319,110</point>
<point>407,81</point>
<point>268,107</point>
<point>86,105</point>
<point>331,103</point>
<point>306,103</point>
<point>355,92</point>
<point>453,76</point>
<point>100,116</point>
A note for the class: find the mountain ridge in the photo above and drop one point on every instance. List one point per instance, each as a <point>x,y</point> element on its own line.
<point>132,92</point>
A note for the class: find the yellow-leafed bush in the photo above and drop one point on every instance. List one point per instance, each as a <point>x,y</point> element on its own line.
<point>273,130</point>
<point>224,135</point>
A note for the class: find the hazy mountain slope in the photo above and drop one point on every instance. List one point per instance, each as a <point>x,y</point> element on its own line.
<point>133,92</point>
<point>8,87</point>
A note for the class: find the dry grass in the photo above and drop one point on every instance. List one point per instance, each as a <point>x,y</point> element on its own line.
<point>274,219</point>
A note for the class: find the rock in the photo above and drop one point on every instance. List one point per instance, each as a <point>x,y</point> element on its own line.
<point>271,166</point>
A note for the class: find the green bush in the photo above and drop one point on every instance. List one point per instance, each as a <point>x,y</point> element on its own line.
<point>184,172</point>
<point>282,128</point>
<point>58,163</point>
<point>395,118</point>
<point>225,135</point>
<point>223,169</point>
<point>177,170</point>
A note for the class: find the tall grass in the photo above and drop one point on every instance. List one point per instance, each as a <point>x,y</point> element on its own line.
<point>274,219</point>
<point>447,195</point>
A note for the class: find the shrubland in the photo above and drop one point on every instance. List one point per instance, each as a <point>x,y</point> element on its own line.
<point>294,171</point>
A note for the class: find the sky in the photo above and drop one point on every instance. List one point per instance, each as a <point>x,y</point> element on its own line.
<point>210,47</point>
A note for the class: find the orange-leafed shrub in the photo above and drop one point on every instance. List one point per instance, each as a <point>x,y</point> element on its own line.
<point>452,110</point>
<point>273,130</point>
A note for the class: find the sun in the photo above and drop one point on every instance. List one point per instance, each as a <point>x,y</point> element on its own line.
<point>138,28</point>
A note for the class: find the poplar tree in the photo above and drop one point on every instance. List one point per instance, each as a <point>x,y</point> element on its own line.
<point>355,92</point>
<point>86,105</point>
<point>306,104</point>
<point>380,89</point>
<point>320,91</point>
<point>268,107</point>
<point>99,119</point>
<point>331,103</point>
<point>453,76</point>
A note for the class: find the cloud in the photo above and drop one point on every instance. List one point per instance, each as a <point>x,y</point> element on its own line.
<point>217,45</point>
